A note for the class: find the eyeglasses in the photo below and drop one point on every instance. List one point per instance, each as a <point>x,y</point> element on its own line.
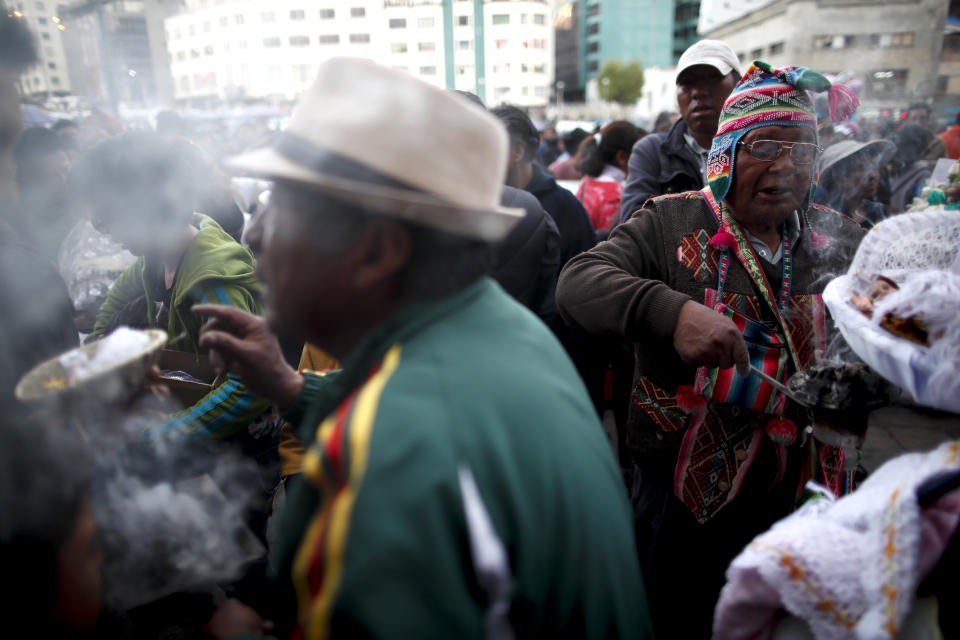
<point>770,150</point>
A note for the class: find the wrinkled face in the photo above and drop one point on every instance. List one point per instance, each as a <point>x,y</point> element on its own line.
<point>862,179</point>
<point>308,288</point>
<point>701,92</point>
<point>79,598</point>
<point>767,192</point>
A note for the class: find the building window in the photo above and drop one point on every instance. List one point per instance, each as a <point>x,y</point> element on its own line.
<point>428,70</point>
<point>593,29</point>
<point>524,67</point>
<point>463,21</point>
<point>525,91</point>
<point>501,43</point>
<point>539,43</point>
<point>271,43</point>
<point>359,38</point>
<point>462,69</point>
<point>539,18</point>
<point>194,53</point>
<point>242,44</point>
<point>398,47</point>
<point>502,68</point>
<point>398,23</point>
<point>298,14</point>
<point>330,39</point>
<point>181,55</point>
<point>593,47</point>
<point>41,20</point>
<point>51,65</point>
<point>45,35</point>
<point>593,10</point>
<point>539,68</point>
<point>540,92</point>
<point>904,39</point>
<point>238,18</point>
<point>327,14</point>
<point>208,50</point>
<point>501,18</point>
<point>39,6</point>
<point>191,31</point>
<point>524,17</point>
<point>399,67</point>
<point>775,48</point>
<point>268,16</point>
<point>302,72</point>
<point>756,54</point>
<point>501,92</point>
<point>593,66</point>
<point>463,45</point>
<point>299,41</point>
<point>358,12</point>
<point>424,47</point>
<point>425,23</point>
<point>223,21</point>
<point>206,27</point>
<point>184,83</point>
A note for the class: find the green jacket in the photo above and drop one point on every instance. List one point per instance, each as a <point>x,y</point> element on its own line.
<point>214,269</point>
<point>458,426</point>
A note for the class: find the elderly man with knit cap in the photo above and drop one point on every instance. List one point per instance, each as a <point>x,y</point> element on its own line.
<point>707,283</point>
<point>456,481</point>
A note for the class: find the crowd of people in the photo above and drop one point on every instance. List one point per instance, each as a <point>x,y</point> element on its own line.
<point>480,404</point>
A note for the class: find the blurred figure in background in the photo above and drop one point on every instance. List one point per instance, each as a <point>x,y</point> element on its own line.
<point>550,147</point>
<point>42,169</point>
<point>676,160</point>
<point>37,318</point>
<point>564,167</point>
<point>603,159</point>
<point>850,176</point>
<point>664,121</point>
<point>909,171</point>
<point>951,138</point>
<point>921,114</point>
<point>576,232</point>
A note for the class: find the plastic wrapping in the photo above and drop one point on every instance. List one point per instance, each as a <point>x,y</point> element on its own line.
<point>921,253</point>
<point>90,262</point>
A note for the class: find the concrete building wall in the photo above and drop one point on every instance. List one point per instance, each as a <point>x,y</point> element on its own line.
<point>232,49</point>
<point>892,47</point>
<point>626,30</point>
<point>51,74</point>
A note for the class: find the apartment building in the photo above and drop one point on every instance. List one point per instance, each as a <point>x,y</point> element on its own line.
<point>50,75</point>
<point>227,50</point>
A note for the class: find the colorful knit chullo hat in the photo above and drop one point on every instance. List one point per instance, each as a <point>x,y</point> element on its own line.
<point>771,97</point>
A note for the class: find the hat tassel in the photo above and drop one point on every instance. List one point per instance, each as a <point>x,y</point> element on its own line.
<point>843,102</point>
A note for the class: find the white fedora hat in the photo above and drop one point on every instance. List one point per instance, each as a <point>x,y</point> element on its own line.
<point>388,141</point>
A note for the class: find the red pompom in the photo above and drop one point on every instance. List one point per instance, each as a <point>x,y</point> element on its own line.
<point>818,241</point>
<point>782,430</point>
<point>688,400</point>
<point>722,240</point>
<point>843,102</point>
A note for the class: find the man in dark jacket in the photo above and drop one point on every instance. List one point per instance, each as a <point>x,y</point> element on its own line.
<point>676,160</point>
<point>528,259</point>
<point>576,231</point>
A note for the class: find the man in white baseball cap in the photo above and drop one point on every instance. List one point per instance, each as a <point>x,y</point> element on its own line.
<point>456,481</point>
<point>675,161</point>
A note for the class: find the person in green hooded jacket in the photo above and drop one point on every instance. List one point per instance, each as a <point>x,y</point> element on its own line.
<point>142,190</point>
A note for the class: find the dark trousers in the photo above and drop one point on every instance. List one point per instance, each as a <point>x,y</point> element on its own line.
<point>684,563</point>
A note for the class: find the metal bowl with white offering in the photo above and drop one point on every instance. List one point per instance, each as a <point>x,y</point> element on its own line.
<point>111,369</point>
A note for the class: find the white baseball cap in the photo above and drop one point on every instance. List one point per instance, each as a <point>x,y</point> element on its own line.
<point>710,52</point>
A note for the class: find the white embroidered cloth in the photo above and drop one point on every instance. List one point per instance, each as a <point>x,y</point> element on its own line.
<point>847,568</point>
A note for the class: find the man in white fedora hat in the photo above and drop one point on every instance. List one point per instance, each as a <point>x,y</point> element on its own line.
<point>456,482</point>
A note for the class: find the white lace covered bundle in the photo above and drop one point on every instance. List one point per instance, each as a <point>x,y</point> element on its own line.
<point>921,253</point>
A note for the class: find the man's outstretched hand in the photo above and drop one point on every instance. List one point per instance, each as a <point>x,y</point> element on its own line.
<point>242,344</point>
<point>707,338</point>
